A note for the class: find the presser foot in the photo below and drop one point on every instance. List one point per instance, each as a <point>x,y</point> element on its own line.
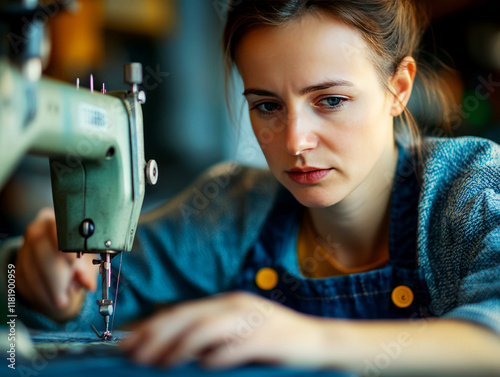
<point>106,335</point>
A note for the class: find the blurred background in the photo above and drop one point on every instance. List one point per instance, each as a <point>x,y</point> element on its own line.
<point>185,117</point>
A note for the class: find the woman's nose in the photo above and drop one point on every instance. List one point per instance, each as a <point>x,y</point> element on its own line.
<point>299,136</point>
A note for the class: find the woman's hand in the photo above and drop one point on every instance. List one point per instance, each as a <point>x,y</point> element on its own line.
<point>232,329</point>
<point>227,330</point>
<point>48,280</point>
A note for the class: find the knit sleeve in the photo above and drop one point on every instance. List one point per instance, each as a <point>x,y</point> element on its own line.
<point>192,246</point>
<point>196,244</point>
<point>461,223</point>
<point>475,228</point>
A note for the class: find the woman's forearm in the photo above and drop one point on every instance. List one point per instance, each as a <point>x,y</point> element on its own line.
<point>424,347</point>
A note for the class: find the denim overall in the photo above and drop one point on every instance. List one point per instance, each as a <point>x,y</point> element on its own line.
<point>358,296</point>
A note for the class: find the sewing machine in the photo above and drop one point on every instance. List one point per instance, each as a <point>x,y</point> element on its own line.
<point>94,141</point>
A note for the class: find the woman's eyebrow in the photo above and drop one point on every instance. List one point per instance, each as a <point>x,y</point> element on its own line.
<point>325,85</point>
<point>308,89</point>
<point>259,92</point>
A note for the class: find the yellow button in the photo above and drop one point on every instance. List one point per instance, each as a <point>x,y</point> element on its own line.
<point>266,278</point>
<point>402,296</point>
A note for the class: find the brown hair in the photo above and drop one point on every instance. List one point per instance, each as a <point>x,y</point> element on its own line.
<point>392,29</point>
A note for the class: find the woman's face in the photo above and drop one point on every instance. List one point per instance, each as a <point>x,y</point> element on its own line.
<point>317,106</point>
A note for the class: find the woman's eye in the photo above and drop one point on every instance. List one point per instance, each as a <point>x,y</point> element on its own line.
<point>332,102</point>
<point>266,107</point>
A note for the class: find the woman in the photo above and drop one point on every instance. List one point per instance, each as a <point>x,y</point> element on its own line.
<point>368,222</point>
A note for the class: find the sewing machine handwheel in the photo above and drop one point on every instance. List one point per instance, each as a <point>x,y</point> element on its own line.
<point>152,172</point>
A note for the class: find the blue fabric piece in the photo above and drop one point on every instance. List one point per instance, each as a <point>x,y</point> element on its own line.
<point>78,355</point>
<point>197,244</point>
<point>82,337</point>
<point>119,366</point>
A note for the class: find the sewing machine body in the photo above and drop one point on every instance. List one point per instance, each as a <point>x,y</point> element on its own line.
<point>96,150</point>
<point>94,142</point>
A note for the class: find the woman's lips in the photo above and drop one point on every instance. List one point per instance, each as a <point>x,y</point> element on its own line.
<point>307,176</point>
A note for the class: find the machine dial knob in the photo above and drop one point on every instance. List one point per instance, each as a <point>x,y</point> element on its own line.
<point>152,172</point>
<point>132,75</point>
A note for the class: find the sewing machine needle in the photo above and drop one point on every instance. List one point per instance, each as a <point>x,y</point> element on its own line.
<point>103,90</point>
<point>91,83</point>
<point>78,83</point>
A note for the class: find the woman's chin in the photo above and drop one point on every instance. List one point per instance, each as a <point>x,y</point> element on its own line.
<point>315,198</point>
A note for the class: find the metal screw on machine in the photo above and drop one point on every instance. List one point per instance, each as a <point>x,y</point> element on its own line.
<point>152,172</point>
<point>132,75</point>
<point>107,243</point>
<point>141,97</point>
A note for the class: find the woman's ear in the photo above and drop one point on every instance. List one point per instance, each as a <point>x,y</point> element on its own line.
<point>401,85</point>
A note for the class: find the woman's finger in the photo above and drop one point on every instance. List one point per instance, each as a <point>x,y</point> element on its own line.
<point>56,273</point>
<point>174,320</point>
<point>30,284</point>
<point>166,326</point>
<point>230,356</point>
<point>138,344</point>
<point>85,272</point>
<point>177,334</point>
<point>205,333</point>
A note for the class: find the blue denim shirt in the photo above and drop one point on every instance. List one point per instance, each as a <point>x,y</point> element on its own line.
<point>197,244</point>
